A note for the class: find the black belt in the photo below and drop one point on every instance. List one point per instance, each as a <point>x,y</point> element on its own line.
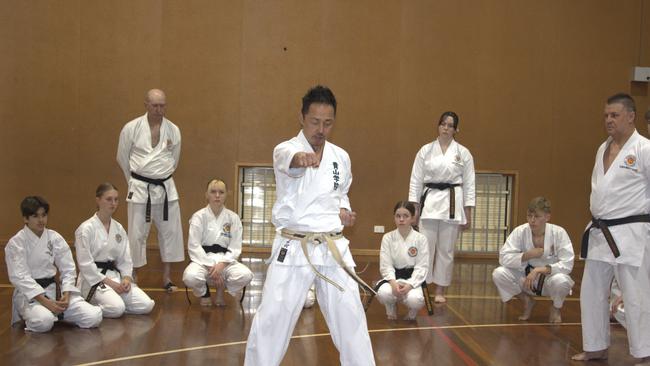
<point>441,186</point>
<point>45,283</point>
<point>156,182</point>
<point>215,248</point>
<point>540,282</point>
<point>604,225</point>
<point>404,274</point>
<point>105,267</point>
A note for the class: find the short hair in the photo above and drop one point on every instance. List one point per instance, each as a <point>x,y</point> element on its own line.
<point>453,116</point>
<point>405,204</point>
<point>318,95</point>
<point>647,115</point>
<point>217,182</point>
<point>103,188</point>
<point>539,203</point>
<point>31,204</point>
<point>624,99</point>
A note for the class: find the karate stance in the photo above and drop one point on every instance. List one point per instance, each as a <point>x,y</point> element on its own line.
<point>104,257</point>
<point>442,185</point>
<point>214,246</point>
<point>312,177</point>
<point>403,263</point>
<point>617,238</point>
<point>148,153</point>
<point>33,257</point>
<point>536,259</point>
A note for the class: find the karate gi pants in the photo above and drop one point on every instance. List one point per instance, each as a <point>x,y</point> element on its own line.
<point>594,307</point>
<point>236,276</point>
<point>510,282</point>
<point>441,237</point>
<point>170,232</point>
<point>414,300</point>
<point>283,297</point>
<point>113,305</point>
<point>40,319</point>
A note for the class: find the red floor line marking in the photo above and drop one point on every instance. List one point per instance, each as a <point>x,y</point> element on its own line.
<point>454,347</point>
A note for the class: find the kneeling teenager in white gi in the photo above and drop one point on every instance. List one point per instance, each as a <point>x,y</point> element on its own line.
<point>33,256</point>
<point>403,263</point>
<point>104,257</point>
<point>214,246</point>
<point>312,178</point>
<point>536,259</point>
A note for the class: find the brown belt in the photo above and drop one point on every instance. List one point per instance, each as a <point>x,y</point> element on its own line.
<point>441,186</point>
<point>319,238</point>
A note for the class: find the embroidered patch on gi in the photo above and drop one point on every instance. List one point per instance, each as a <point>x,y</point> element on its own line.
<point>49,247</point>
<point>283,251</point>
<point>336,175</point>
<point>413,251</point>
<point>118,238</point>
<point>225,230</point>
<point>457,158</point>
<point>130,195</point>
<point>630,162</point>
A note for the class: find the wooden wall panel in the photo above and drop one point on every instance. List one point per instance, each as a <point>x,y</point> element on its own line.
<point>528,80</point>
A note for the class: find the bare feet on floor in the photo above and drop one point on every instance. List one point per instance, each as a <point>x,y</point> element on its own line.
<point>554,315</point>
<point>218,300</point>
<point>529,304</point>
<point>439,299</point>
<point>587,356</point>
<point>391,311</point>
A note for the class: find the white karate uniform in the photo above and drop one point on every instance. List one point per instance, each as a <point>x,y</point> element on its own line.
<point>135,154</point>
<point>619,313</point>
<point>455,166</point>
<point>623,191</point>
<point>29,258</point>
<point>224,230</point>
<point>397,252</point>
<point>509,278</point>
<point>94,244</point>
<point>309,200</point>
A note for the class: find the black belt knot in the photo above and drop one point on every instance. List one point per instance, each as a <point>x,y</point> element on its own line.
<point>215,248</point>
<point>105,267</point>
<point>156,182</point>
<point>603,225</point>
<point>441,186</point>
<point>45,282</point>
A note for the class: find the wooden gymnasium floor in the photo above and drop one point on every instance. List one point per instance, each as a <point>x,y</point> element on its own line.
<point>473,328</point>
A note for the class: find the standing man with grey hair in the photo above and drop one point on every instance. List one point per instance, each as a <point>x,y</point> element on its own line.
<point>148,153</point>
<point>617,237</point>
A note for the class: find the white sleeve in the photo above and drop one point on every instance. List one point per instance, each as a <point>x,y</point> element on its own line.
<point>176,152</point>
<point>87,267</point>
<point>386,267</point>
<point>469,179</point>
<point>282,156</point>
<point>235,241</point>
<point>417,177</point>
<point>511,253</point>
<point>19,274</point>
<point>564,250</point>
<point>124,262</point>
<point>65,264</point>
<point>345,200</point>
<point>124,151</point>
<point>422,265</point>
<point>194,242</point>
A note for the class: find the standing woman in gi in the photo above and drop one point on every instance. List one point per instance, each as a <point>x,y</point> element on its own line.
<point>403,263</point>
<point>442,184</point>
<point>104,257</point>
<point>214,245</point>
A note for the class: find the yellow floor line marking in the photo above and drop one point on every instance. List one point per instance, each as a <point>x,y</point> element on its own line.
<point>385,330</point>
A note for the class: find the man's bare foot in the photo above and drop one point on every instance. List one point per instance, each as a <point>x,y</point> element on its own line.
<point>205,301</point>
<point>439,299</point>
<point>554,315</point>
<point>391,311</point>
<point>587,356</point>
<point>529,304</point>
<point>218,299</point>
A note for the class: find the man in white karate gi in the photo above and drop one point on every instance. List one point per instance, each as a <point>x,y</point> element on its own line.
<point>615,240</point>
<point>148,153</point>
<point>313,177</point>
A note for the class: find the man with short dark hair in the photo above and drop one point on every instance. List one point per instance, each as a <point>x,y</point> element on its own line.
<point>312,177</point>
<point>617,236</point>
